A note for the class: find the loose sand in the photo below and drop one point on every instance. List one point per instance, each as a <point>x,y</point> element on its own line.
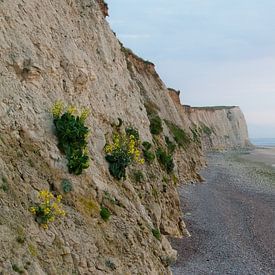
<point>231,217</point>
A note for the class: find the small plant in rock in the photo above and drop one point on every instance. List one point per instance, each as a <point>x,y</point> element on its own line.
<point>123,151</point>
<point>66,185</point>
<point>147,154</point>
<point>110,265</point>
<point>72,136</point>
<point>156,233</point>
<point>48,209</point>
<point>138,176</point>
<point>105,213</point>
<point>165,159</point>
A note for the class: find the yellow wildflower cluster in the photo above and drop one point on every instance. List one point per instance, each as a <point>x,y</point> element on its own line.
<point>84,114</point>
<point>58,108</point>
<point>48,208</point>
<point>125,144</point>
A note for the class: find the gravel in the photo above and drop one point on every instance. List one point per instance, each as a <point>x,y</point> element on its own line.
<point>231,218</point>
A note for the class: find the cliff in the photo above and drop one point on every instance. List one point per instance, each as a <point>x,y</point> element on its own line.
<point>219,127</point>
<point>64,50</point>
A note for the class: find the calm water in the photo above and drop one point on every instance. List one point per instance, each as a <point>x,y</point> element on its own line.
<point>270,142</point>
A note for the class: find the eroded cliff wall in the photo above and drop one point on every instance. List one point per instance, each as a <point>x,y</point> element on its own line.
<point>219,127</point>
<point>65,50</point>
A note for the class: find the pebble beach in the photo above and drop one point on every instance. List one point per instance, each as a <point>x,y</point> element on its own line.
<point>231,216</point>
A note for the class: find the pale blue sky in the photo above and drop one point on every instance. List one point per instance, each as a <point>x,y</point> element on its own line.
<point>217,52</point>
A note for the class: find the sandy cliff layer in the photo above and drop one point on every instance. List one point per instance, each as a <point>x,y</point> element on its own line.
<point>65,50</point>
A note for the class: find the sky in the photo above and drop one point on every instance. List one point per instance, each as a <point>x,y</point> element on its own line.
<point>216,52</point>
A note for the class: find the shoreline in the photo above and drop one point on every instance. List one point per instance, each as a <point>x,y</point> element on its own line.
<point>230,216</point>
<point>262,155</point>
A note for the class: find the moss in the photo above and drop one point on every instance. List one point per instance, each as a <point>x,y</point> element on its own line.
<point>33,250</point>
<point>21,236</point>
<point>88,206</point>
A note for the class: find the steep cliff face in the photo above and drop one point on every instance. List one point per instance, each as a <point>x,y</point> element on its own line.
<point>65,50</point>
<point>220,127</point>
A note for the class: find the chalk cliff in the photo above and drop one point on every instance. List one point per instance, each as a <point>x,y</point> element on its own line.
<point>220,127</point>
<point>65,50</point>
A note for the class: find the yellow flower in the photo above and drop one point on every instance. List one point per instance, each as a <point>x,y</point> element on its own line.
<point>47,210</point>
<point>84,114</point>
<point>51,219</point>
<point>33,210</point>
<point>71,110</point>
<point>45,226</point>
<point>141,161</point>
<point>108,149</point>
<point>59,198</point>
<point>57,108</point>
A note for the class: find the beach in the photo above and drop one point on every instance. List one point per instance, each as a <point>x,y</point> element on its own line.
<point>231,216</point>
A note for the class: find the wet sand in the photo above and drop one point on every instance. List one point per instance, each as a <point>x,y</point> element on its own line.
<point>231,217</point>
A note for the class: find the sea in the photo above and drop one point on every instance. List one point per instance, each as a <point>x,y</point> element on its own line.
<point>263,142</point>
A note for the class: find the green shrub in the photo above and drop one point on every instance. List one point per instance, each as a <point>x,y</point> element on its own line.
<point>132,131</point>
<point>148,156</point>
<point>138,176</point>
<point>121,153</point>
<point>179,135</point>
<point>171,146</point>
<point>147,145</point>
<point>156,233</point>
<point>105,213</point>
<point>165,159</point>
<point>72,134</point>
<point>155,121</point>
<point>155,124</point>
<point>66,186</point>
